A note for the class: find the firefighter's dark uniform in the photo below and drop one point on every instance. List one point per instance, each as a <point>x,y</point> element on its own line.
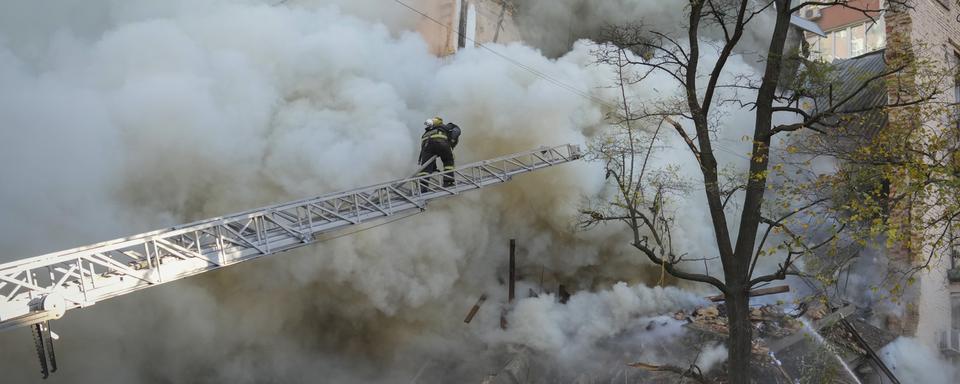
<point>439,141</point>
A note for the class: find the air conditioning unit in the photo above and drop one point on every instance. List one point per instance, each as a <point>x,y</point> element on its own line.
<point>811,13</point>
<point>950,342</point>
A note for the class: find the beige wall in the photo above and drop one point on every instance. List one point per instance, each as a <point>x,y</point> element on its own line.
<point>488,12</point>
<point>443,39</point>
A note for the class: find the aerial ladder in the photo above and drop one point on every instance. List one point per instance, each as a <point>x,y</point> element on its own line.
<point>35,290</point>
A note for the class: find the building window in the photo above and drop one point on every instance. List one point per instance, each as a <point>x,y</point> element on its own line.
<point>956,91</point>
<point>956,77</point>
<point>955,311</point>
<point>953,274</point>
<point>858,39</point>
<point>841,44</point>
<point>849,41</point>
<point>954,252</point>
<point>876,35</point>
<point>826,48</point>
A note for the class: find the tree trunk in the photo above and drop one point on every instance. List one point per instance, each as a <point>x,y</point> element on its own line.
<point>739,344</point>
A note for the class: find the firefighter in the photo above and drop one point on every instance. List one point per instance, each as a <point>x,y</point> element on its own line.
<point>438,140</point>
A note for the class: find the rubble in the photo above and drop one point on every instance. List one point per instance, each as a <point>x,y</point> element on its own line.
<point>796,344</point>
<point>803,343</point>
<point>806,342</point>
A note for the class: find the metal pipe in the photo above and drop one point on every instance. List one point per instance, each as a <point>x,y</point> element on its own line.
<point>513,270</point>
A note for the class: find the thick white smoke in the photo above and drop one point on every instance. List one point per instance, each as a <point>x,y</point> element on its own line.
<point>913,362</point>
<point>124,116</point>
<point>554,25</point>
<point>149,115</point>
<point>712,356</point>
<point>594,335</point>
<point>573,329</point>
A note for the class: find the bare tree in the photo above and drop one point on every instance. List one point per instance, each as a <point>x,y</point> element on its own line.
<point>787,86</point>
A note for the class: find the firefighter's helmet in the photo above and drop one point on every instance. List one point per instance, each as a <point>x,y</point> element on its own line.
<point>433,122</point>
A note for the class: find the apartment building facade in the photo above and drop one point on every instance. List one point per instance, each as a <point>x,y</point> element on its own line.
<point>930,29</point>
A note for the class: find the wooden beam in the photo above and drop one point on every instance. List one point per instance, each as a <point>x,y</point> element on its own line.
<point>476,307</point>
<point>756,292</point>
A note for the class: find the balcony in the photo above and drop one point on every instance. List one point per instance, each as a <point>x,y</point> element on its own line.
<point>953,275</point>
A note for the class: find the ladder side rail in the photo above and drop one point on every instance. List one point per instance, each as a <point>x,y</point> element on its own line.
<point>504,170</point>
<point>564,152</point>
<point>239,251</point>
<point>89,274</point>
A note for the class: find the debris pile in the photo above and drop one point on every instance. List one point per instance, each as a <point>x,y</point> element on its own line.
<point>769,322</point>
<point>805,341</point>
<point>812,341</point>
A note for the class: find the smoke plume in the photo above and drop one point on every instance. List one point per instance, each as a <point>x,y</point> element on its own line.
<point>913,362</point>
<point>125,116</point>
<point>554,25</point>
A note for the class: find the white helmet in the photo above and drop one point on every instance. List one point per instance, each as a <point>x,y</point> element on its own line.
<point>434,122</point>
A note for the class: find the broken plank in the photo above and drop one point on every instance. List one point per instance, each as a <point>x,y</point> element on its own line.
<point>476,307</point>
<point>756,292</point>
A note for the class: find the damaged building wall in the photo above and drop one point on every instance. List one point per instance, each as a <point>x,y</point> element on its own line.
<point>931,31</point>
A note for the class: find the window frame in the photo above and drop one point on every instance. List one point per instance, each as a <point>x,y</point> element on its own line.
<point>955,311</point>
<point>862,38</point>
<point>956,87</point>
<point>867,29</point>
<point>879,28</point>
<point>848,46</point>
